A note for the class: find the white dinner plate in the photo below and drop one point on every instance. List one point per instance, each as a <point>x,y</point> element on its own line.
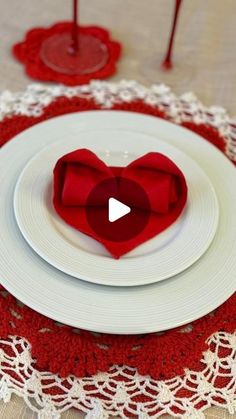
<point>163,305</point>
<point>78,255</point>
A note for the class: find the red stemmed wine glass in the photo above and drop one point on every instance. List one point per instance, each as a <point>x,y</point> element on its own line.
<point>157,69</point>
<point>74,52</point>
<point>167,63</point>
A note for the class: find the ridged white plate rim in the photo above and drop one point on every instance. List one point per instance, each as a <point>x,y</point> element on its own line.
<point>164,256</point>
<point>127,310</point>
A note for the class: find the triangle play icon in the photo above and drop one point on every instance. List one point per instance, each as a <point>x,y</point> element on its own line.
<point>117,210</point>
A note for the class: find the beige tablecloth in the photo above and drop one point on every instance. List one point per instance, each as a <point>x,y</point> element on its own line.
<point>205,61</point>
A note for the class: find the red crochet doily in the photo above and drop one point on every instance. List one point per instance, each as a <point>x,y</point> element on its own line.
<point>28,53</point>
<point>64,350</point>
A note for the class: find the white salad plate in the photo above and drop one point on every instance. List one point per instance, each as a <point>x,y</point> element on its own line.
<point>149,308</point>
<point>76,254</point>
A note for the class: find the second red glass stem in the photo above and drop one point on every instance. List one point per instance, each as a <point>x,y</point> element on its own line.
<point>75,26</point>
<point>167,63</point>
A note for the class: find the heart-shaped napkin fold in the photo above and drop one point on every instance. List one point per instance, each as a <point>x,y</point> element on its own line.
<point>76,174</point>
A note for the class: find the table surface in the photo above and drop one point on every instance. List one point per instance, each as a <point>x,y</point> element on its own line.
<point>205,62</point>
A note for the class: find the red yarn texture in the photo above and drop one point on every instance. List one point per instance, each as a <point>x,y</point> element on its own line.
<point>62,349</point>
<point>28,53</point>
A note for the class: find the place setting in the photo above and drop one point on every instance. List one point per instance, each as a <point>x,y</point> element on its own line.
<point>62,242</point>
<point>117,235</point>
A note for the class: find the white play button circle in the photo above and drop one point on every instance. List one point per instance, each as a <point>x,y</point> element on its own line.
<point>117,210</point>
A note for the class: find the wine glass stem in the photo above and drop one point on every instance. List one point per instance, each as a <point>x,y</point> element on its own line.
<point>75,26</point>
<point>167,63</point>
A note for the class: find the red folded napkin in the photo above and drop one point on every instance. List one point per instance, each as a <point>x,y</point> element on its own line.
<point>77,173</point>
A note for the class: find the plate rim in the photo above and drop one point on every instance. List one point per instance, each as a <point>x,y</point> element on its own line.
<point>151,124</point>
<point>122,280</point>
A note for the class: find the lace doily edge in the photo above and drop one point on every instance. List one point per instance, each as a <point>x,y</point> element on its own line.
<point>185,108</point>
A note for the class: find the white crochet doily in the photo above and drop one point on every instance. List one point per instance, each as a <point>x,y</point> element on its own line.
<point>122,389</point>
<point>178,109</point>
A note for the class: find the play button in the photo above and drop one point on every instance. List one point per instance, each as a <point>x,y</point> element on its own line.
<point>117,210</point>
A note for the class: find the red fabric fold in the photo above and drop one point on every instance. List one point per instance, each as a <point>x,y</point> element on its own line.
<point>159,177</point>
<point>78,172</point>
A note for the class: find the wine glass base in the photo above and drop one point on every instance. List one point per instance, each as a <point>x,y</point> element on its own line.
<point>180,73</point>
<point>57,53</point>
